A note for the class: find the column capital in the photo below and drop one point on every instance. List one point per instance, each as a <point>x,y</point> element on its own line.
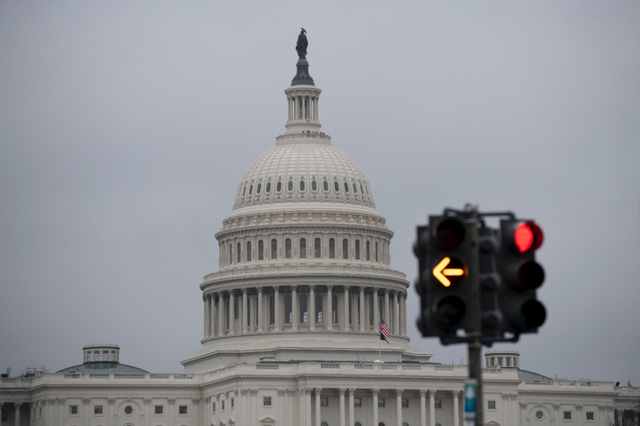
<point>312,287</point>
<point>318,391</point>
<point>523,405</point>
<point>362,288</point>
<point>346,288</point>
<point>294,287</point>
<point>260,290</point>
<point>342,391</point>
<point>172,401</point>
<point>291,392</point>
<point>423,392</point>
<point>399,392</point>
<point>51,401</point>
<point>17,405</point>
<point>505,396</point>
<point>194,401</point>
<point>146,401</point>
<point>556,406</point>
<point>86,401</point>
<point>329,287</point>
<point>281,392</point>
<point>352,391</point>
<point>308,391</point>
<point>431,392</point>
<point>61,401</point>
<point>244,391</point>
<point>455,393</point>
<point>276,288</point>
<point>375,392</point>
<point>387,291</point>
<point>254,392</point>
<point>514,396</point>
<point>578,407</point>
<point>601,407</point>
<point>245,290</point>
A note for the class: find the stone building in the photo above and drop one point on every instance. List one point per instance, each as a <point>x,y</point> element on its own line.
<point>291,319</point>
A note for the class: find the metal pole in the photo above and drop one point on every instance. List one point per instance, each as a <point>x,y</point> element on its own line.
<point>475,347</point>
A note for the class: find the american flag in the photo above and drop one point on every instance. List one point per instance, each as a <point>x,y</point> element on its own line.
<point>384,330</point>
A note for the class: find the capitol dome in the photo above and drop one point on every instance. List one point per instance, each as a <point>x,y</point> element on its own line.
<point>304,257</point>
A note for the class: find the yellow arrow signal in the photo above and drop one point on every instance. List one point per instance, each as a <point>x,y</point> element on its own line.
<point>441,273</point>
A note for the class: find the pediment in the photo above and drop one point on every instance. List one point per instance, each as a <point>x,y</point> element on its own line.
<point>267,421</point>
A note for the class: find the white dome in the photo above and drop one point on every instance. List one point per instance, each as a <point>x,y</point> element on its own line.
<point>304,172</point>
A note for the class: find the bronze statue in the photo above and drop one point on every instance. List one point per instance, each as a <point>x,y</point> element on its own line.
<point>301,46</point>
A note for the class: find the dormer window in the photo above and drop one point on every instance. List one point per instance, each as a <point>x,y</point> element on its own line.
<point>290,185</point>
<point>325,185</point>
<point>250,189</point>
<point>346,187</point>
<point>361,191</point>
<point>268,188</point>
<point>301,185</point>
<point>259,188</point>
<point>355,189</point>
<point>244,191</point>
<point>279,186</point>
<point>336,186</point>
<point>314,185</point>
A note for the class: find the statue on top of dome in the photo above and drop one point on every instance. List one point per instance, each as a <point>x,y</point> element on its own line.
<point>301,46</point>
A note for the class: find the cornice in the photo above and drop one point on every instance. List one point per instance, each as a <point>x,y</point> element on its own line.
<point>306,227</point>
<point>564,392</point>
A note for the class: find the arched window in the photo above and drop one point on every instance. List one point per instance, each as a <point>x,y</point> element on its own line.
<point>380,424</point>
<point>272,310</point>
<point>303,248</point>
<point>376,251</point>
<point>334,308</point>
<point>332,248</point>
<point>230,254</point>
<point>248,251</point>
<point>239,253</point>
<point>288,314</point>
<point>357,424</point>
<point>361,191</point>
<point>367,188</point>
<point>250,189</point>
<point>346,187</point>
<point>336,186</point>
<point>371,310</point>
<point>287,248</point>
<point>317,245</point>
<point>325,185</point>
<point>324,424</point>
<point>357,249</point>
<point>405,424</point>
<point>274,248</point>
<point>244,191</point>
<point>259,188</point>
<point>290,185</point>
<point>301,185</point>
<point>268,188</point>
<point>319,305</point>
<point>355,190</point>
<point>345,249</point>
<point>304,314</point>
<point>314,185</point>
<point>260,250</point>
<point>279,186</point>
<point>367,250</point>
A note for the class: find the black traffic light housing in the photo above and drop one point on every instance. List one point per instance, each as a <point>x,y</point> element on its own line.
<point>521,276</point>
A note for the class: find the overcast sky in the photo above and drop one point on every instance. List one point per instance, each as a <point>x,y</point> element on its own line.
<point>126,126</point>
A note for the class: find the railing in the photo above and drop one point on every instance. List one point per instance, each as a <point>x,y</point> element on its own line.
<point>444,367</point>
<point>363,366</point>
<point>160,376</point>
<point>98,376</point>
<point>303,135</point>
<point>411,367</point>
<point>492,370</point>
<point>183,376</point>
<point>129,376</point>
<point>15,380</point>
<point>267,366</point>
<point>332,366</point>
<point>73,376</point>
<point>389,367</point>
<point>539,382</point>
<point>566,383</point>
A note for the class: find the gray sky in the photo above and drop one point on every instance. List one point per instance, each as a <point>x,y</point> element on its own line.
<point>126,126</point>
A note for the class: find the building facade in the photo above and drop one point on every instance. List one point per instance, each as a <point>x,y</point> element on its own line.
<point>291,319</point>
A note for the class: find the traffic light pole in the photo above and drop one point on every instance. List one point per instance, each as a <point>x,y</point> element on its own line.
<point>475,346</point>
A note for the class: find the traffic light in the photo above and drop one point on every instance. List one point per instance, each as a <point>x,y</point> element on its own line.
<point>442,285</point>
<point>521,275</point>
<point>490,283</point>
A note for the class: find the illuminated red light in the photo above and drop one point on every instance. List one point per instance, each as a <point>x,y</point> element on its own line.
<point>523,237</point>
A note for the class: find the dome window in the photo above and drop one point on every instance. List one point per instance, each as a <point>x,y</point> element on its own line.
<point>260,250</point>
<point>336,186</point>
<point>304,315</point>
<point>367,188</point>
<point>287,248</point>
<point>259,188</point>
<point>376,251</point>
<point>248,251</point>
<point>317,248</point>
<point>303,248</point>
<point>367,250</point>
<point>355,189</point>
<point>268,188</point>
<point>345,249</point>
<point>361,190</point>
<point>302,185</point>
<point>274,249</point>
<point>357,249</point>
<point>346,187</point>
<point>279,186</point>
<point>290,185</point>
<point>332,248</point>
<point>288,311</point>
<point>250,189</point>
<point>244,191</point>
<point>239,253</point>
<point>314,185</point>
<point>325,185</point>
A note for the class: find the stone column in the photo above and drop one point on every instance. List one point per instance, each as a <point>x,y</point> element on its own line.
<point>289,104</point>
<point>281,410</point>
<point>112,415</point>
<point>376,311</point>
<point>317,118</point>
<point>432,407</point>
<point>399,407</point>
<point>386,306</point>
<point>232,312</point>
<point>362,311</point>
<point>374,393</point>
<point>506,409</point>
<point>342,414</point>
<point>301,407</point>
<point>85,410</point>
<point>295,311</point>
<point>276,304</point>
<point>456,409</point>
<point>49,412</point>
<point>351,409</point>
<point>318,417</point>
<point>311,308</point>
<point>172,412</point>
<point>197,409</point>
<point>523,413</point>
<point>260,320</point>
<point>207,313</point>
<point>17,406</point>
<point>423,408</point>
<point>245,326</point>
<point>328,313</point>
<point>221,329</point>
<point>307,394</point>
<point>345,317</point>
<point>514,407</point>
<point>396,317</point>
<point>579,415</point>
<point>252,313</point>
<point>212,315</point>
<point>290,402</point>
<point>403,314</point>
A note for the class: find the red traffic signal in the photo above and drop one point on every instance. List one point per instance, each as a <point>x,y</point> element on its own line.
<point>523,237</point>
